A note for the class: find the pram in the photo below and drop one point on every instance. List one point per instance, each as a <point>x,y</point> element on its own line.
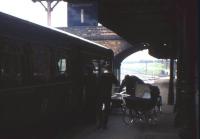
<point>141,108</point>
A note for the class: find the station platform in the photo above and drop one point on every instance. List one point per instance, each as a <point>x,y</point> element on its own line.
<point>163,129</point>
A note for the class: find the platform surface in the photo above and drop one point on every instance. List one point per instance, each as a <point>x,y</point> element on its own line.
<point>164,129</point>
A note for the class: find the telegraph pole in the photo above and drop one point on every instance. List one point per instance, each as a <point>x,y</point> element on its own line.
<point>48,8</point>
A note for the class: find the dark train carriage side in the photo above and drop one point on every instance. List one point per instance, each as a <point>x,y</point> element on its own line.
<point>42,73</point>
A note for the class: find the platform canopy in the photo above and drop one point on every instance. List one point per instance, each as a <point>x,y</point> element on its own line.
<point>141,21</point>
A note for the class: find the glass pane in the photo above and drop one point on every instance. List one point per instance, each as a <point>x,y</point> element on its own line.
<point>62,65</point>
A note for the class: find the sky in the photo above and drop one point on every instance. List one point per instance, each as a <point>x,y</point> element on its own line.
<point>35,12</point>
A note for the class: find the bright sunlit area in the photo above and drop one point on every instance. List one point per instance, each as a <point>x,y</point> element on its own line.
<point>144,66</point>
<point>35,12</point>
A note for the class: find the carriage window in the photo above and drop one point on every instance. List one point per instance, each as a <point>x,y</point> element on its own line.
<point>62,65</point>
<point>91,64</point>
<point>63,69</point>
<point>96,66</point>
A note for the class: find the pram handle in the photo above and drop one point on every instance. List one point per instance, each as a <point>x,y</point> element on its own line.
<point>123,93</point>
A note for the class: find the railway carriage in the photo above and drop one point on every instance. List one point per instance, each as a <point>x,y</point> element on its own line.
<point>42,73</point>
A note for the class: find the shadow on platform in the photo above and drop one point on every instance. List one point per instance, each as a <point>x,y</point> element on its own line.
<point>163,129</point>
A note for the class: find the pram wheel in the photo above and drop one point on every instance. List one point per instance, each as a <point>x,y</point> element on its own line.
<point>129,116</point>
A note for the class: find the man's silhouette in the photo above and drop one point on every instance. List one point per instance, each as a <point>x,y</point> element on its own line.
<point>104,99</point>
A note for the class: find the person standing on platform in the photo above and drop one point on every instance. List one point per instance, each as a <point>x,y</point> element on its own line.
<point>106,80</point>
